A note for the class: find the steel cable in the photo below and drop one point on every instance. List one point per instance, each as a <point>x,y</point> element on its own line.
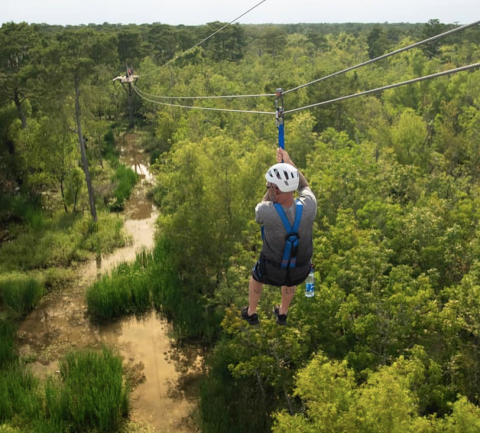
<point>458,29</point>
<point>207,38</point>
<point>205,97</point>
<point>391,86</point>
<point>202,108</point>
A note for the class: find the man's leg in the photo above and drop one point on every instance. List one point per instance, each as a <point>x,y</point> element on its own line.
<point>287,295</point>
<point>254,293</point>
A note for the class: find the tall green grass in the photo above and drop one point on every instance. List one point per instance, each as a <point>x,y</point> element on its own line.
<point>151,281</point>
<point>89,395</point>
<point>7,334</point>
<point>20,293</point>
<point>125,291</point>
<point>177,300</point>
<point>92,394</point>
<point>19,393</point>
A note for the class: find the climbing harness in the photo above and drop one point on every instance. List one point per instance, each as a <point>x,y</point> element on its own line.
<point>290,250</point>
<point>289,259</point>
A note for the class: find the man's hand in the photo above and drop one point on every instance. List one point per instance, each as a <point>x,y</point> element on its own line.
<point>282,156</point>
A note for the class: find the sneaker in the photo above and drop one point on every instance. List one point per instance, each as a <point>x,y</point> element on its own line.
<point>281,318</point>
<point>252,319</point>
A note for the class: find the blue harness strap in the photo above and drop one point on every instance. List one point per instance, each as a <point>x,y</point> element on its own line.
<point>289,258</point>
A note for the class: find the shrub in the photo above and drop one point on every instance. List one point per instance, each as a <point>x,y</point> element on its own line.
<point>23,208</point>
<point>109,151</point>
<point>125,178</point>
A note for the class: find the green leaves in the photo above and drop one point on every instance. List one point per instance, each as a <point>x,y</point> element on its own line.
<point>385,402</point>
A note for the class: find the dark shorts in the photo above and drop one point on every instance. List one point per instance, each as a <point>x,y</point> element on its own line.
<point>267,273</point>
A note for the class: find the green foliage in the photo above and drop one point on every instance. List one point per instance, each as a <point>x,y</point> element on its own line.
<point>19,393</point>
<point>383,403</point>
<point>7,334</point>
<point>21,208</point>
<point>173,298</point>
<point>91,393</point>
<point>151,281</point>
<point>396,313</point>
<point>110,151</point>
<point>125,291</point>
<point>66,238</point>
<point>125,179</point>
<point>4,428</point>
<point>378,43</point>
<point>21,294</point>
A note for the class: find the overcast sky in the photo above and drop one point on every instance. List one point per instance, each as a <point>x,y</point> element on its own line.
<point>194,12</point>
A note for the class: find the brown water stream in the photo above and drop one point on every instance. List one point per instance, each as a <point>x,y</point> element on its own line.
<point>165,372</point>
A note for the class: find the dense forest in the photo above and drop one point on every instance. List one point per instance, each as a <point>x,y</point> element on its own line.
<point>389,343</point>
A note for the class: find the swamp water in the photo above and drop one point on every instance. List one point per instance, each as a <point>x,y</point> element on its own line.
<point>165,372</point>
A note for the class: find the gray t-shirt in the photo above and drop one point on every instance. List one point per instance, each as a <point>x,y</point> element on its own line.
<point>275,233</point>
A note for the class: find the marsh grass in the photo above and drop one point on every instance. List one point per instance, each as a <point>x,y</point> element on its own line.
<point>91,394</point>
<point>125,291</point>
<point>150,281</point>
<point>7,334</point>
<point>19,393</point>
<point>20,293</point>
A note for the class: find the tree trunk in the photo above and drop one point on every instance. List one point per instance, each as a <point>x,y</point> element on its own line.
<point>63,196</point>
<point>10,146</point>
<point>21,114</point>
<point>75,196</point>
<point>78,120</point>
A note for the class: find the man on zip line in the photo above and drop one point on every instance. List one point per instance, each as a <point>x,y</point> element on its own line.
<point>287,226</point>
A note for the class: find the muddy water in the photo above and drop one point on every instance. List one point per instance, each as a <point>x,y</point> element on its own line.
<point>166,374</point>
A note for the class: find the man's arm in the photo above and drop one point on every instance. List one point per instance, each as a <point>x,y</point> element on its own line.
<point>283,156</point>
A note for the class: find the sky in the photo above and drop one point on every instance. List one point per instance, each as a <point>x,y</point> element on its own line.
<point>196,12</point>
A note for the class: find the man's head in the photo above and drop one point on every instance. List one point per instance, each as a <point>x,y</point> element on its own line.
<point>283,176</point>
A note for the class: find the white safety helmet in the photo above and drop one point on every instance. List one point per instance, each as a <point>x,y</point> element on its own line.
<point>285,176</point>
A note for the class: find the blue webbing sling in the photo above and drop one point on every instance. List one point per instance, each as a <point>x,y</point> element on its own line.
<point>289,258</point>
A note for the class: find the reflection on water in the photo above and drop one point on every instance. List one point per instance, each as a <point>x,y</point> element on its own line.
<point>165,399</point>
<point>165,372</point>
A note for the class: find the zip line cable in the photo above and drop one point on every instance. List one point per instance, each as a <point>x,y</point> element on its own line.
<point>207,38</point>
<point>342,98</point>
<point>391,86</point>
<point>384,56</point>
<point>205,97</point>
<point>201,108</point>
<point>144,95</point>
